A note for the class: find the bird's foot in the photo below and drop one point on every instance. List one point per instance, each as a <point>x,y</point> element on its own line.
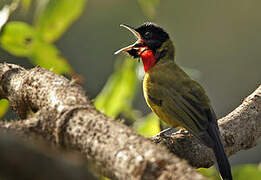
<point>181,131</point>
<point>165,133</point>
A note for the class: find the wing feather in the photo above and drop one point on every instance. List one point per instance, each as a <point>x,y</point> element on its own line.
<point>186,113</point>
<point>182,99</point>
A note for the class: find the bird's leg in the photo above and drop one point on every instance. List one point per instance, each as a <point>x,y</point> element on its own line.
<point>169,131</point>
<point>165,133</point>
<point>181,131</point>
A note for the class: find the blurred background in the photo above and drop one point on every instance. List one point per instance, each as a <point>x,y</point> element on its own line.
<point>217,42</point>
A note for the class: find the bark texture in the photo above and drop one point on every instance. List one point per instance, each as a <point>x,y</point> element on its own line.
<point>240,130</point>
<point>59,110</point>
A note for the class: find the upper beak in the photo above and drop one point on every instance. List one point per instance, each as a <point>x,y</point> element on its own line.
<point>136,34</point>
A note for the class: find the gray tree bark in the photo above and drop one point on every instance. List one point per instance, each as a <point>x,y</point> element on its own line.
<point>59,110</point>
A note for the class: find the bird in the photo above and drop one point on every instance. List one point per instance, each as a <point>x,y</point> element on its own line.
<point>173,95</point>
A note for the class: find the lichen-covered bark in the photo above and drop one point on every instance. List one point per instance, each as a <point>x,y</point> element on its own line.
<point>116,149</point>
<point>59,110</point>
<point>239,130</point>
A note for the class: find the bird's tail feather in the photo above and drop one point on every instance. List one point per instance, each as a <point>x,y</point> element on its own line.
<point>221,157</point>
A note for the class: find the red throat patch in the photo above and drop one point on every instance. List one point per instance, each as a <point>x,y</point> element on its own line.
<point>148,59</point>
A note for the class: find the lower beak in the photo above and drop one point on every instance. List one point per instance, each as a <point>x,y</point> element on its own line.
<point>130,47</point>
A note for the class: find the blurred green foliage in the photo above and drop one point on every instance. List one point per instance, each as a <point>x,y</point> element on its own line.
<point>26,4</point>
<point>149,7</point>
<point>148,126</point>
<point>4,105</point>
<point>48,56</point>
<point>18,38</point>
<point>34,42</point>
<point>249,172</point>
<point>22,40</point>
<point>211,173</point>
<point>118,93</point>
<point>56,17</point>
<point>240,172</point>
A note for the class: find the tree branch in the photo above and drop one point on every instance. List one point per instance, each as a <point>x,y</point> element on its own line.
<point>59,110</point>
<point>239,130</point>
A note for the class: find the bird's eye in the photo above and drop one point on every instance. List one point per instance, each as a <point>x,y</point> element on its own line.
<point>147,34</point>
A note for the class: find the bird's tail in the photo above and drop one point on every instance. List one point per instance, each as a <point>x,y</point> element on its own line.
<point>221,157</point>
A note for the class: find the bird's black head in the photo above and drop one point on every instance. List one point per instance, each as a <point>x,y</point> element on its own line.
<point>149,37</point>
<point>153,35</point>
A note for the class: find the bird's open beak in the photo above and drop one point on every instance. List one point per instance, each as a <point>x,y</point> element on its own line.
<point>130,47</point>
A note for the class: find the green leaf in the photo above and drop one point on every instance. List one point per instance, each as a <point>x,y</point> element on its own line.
<point>4,105</point>
<point>57,16</point>
<point>119,90</point>
<point>149,126</point>
<point>149,7</point>
<point>249,172</point>
<point>211,173</point>
<point>241,172</point>
<point>26,4</point>
<point>18,38</point>
<point>48,56</point>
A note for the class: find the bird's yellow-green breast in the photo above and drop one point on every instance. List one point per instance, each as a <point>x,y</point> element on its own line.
<point>153,89</point>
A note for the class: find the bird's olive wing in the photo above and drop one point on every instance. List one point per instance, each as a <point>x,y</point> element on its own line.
<point>187,111</point>
<point>182,99</point>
